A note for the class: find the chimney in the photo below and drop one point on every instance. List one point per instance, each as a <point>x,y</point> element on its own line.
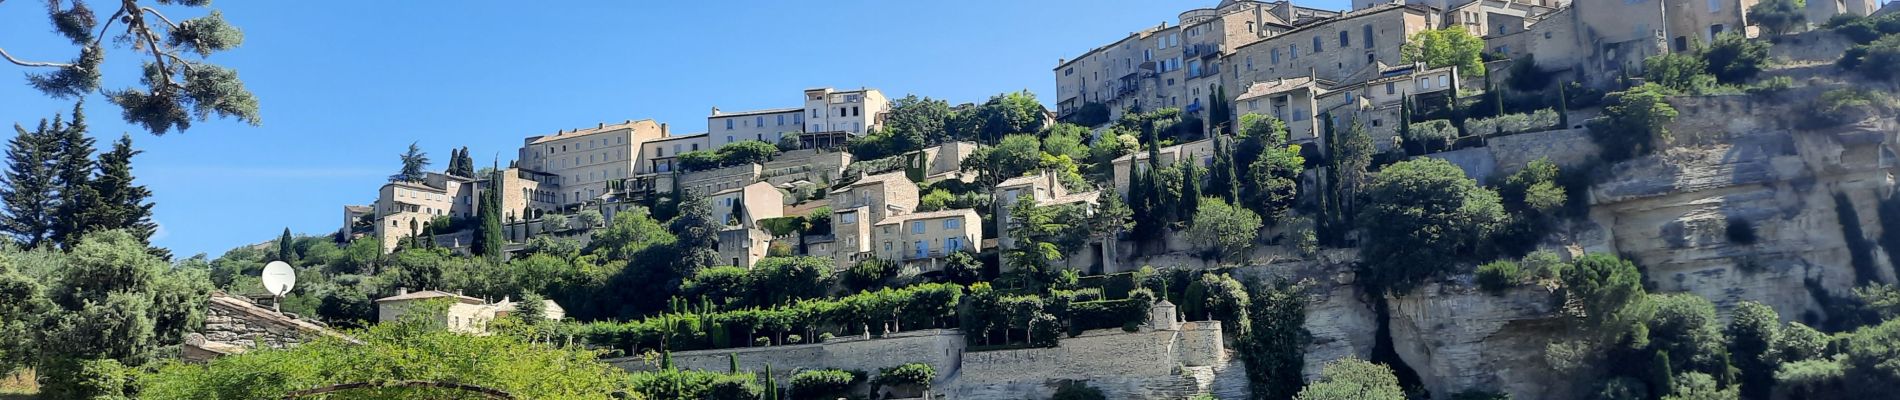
<point>715,111</point>
<point>602,125</point>
<point>662,129</point>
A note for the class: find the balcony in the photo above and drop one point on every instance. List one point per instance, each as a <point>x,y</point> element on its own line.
<point>912,256</point>
<point>1200,50</point>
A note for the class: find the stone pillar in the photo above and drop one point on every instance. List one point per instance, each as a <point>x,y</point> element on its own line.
<point>1162,317</point>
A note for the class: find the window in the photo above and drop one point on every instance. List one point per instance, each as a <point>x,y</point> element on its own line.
<point>1293,52</point>
<point>887,246</point>
<point>1316,46</point>
<point>854,111</point>
<point>1253,105</point>
<point>1366,36</point>
<point>728,124</point>
<point>1391,88</point>
<point>1369,59</point>
<point>952,223</point>
<point>1249,63</point>
<point>1249,26</point>
<point>923,250</point>
<point>1344,39</point>
<point>917,227</point>
<point>798,119</point>
<point>1274,55</point>
<point>1066,72</point>
<point>1444,81</point>
<point>953,244</point>
<point>758,121</point>
<point>728,139</point>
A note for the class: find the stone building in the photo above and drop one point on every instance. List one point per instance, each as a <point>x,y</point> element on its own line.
<point>1375,102</point>
<point>1123,167</point>
<point>742,241</point>
<point>768,126</point>
<point>587,163</point>
<point>1046,190</point>
<point>235,325</point>
<point>856,207</point>
<point>923,238</point>
<point>463,314</point>
<point>1821,11</point>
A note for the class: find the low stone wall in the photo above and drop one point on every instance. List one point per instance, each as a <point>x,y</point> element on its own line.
<point>937,347</point>
<point>1150,364</point>
<point>1565,147</point>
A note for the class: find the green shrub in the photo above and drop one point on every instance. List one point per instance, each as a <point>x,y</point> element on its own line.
<point>822,384</point>
<point>917,374</point>
<point>1633,123</point>
<point>1881,59</point>
<point>1734,59</point>
<point>1480,395</point>
<point>1513,123</point>
<point>1498,276</point>
<point>1077,390</point>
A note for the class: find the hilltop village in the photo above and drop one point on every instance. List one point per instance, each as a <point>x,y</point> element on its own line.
<point>1447,199</point>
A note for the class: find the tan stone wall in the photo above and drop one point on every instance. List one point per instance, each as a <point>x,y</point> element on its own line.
<point>761,126</point>
<point>587,159</point>
<point>897,240</point>
<point>1391,26</point>
<point>664,150</point>
<point>1204,149</point>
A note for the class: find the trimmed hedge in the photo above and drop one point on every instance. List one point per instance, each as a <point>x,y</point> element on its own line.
<point>918,374</point>
<point>822,384</point>
<point>924,305</point>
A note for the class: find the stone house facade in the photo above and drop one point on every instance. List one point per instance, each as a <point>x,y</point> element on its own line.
<point>464,314</point>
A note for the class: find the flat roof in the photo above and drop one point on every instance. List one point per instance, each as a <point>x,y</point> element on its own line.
<point>757,112</point>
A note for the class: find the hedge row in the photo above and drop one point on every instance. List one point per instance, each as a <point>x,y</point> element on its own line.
<point>887,310</point>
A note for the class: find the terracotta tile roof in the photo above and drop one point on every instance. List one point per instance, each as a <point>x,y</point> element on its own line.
<point>927,215</point>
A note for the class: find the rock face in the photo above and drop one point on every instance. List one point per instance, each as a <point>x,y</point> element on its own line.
<point>1745,207</point>
<point>1458,338</point>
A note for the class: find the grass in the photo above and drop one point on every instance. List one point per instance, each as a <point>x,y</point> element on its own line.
<point>20,386</point>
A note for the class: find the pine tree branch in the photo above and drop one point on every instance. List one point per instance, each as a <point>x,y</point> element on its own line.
<point>136,25</point>
<point>168,21</point>
<point>15,61</point>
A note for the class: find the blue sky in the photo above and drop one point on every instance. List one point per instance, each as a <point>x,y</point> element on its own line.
<point>347,85</point>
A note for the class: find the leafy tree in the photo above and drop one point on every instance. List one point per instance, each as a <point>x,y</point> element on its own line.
<point>1112,217</point>
<point>173,82</point>
<point>1065,140</point>
<point>1700,386</point>
<point>31,193</point>
<point>921,117</point>
<point>1352,378</point>
<point>1753,330</point>
<point>414,162</point>
<point>590,219</point>
<point>21,303</point>
<point>1633,122</point>
<point>1223,230</point>
<point>699,160</point>
<point>822,384</point>
<point>1525,77</point>
<point>1498,276</point>
<point>747,152</point>
<point>1734,59</point>
<point>1275,179</point>
<point>1450,46</point>
<point>1273,345</point>
<point>963,268</point>
<point>1778,16</point>
<point>1015,155</point>
<point>1685,327</point>
<point>1881,59</point>
<point>553,222</point>
<point>112,304</point>
<point>1042,235</point>
<point>697,235</point>
<point>1684,72</point>
<point>1015,112</point>
<point>1091,114</point>
<point>1869,364</point>
<point>1603,285</point>
<point>1422,217</point>
<point>1103,151</point>
<point>504,362</point>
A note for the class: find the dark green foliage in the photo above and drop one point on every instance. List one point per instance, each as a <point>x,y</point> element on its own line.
<point>1352,378</point>
<point>488,240</point>
<point>885,310</point>
<point>1753,330</point>
<point>1685,327</point>
<point>1526,76</point>
<point>286,251</point>
<point>1222,231</point>
<point>1682,72</point>
<point>1498,276</point>
<point>1348,159</point>
<point>697,233</point>
<point>414,162</point>
<point>1077,390</point>
<point>121,204</point>
<point>915,374</point>
<point>1422,217</point>
<point>1604,285</point>
<point>1480,395</point>
<point>178,90</point>
<point>73,168</point>
<point>1865,30</point>
<point>1091,114</point>
<point>822,384</point>
<point>111,305</point>
<point>1633,122</point>
<point>771,281</point>
<point>1273,345</point>
<point>1734,59</point>
<point>921,119</point>
<point>1778,16</point>
<point>1870,367</point>
<point>1878,60</point>
<point>31,193</point>
<point>868,274</point>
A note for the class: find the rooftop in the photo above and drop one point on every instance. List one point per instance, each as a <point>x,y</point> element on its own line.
<point>1259,89</point>
<point>431,294</point>
<point>717,114</point>
<point>603,127</point>
<point>875,179</point>
<point>960,212</point>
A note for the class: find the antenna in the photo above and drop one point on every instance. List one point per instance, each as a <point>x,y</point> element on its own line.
<point>278,279</point>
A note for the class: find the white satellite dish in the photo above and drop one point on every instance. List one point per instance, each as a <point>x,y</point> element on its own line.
<point>279,278</point>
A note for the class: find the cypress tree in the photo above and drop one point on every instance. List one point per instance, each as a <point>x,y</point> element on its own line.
<point>29,195</point>
<point>771,384</point>
<point>73,168</point>
<point>1563,107</point>
<point>122,204</point>
<point>1190,188</point>
<point>733,360</point>
<point>286,247</point>
<point>488,236</point>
